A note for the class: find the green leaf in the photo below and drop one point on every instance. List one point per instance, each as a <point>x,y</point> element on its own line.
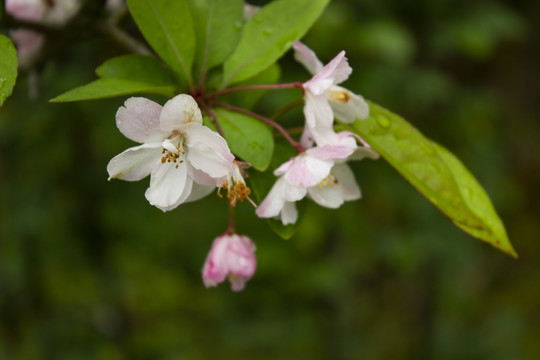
<point>106,88</point>
<point>168,28</point>
<point>248,99</point>
<point>436,173</point>
<point>125,75</point>
<point>218,24</point>
<point>8,68</point>
<point>248,138</point>
<point>140,68</point>
<point>268,35</point>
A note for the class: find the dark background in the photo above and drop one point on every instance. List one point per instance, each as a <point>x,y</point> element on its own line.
<point>89,270</point>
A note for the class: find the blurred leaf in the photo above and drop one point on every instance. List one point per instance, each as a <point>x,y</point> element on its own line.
<point>125,75</point>
<point>106,88</point>
<point>248,99</point>
<point>8,68</point>
<point>248,138</point>
<point>436,173</point>
<point>217,26</point>
<point>168,28</point>
<point>268,35</point>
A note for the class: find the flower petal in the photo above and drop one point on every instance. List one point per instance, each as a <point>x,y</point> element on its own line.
<point>308,170</point>
<point>179,112</point>
<point>208,151</point>
<point>138,120</point>
<point>307,57</point>
<point>169,186</point>
<point>198,192</point>
<point>347,182</point>
<point>335,72</point>
<point>347,106</point>
<point>317,111</point>
<point>134,163</point>
<point>329,196</point>
<point>289,213</point>
<point>273,202</point>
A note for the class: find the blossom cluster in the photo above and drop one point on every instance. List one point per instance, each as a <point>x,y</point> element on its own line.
<point>187,160</point>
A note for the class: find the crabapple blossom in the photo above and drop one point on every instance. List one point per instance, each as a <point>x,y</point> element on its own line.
<point>183,158</point>
<point>320,173</point>
<point>231,256</point>
<point>324,100</point>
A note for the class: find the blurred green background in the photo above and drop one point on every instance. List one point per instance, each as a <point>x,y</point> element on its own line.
<point>89,270</point>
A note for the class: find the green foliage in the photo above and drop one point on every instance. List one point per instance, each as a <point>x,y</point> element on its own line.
<point>436,173</point>
<point>217,28</point>
<point>125,75</point>
<point>248,138</point>
<point>268,35</point>
<point>168,28</point>
<point>8,68</point>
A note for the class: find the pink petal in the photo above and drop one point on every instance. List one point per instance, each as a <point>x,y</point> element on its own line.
<point>335,72</point>
<point>138,120</point>
<point>135,163</point>
<point>307,57</point>
<point>308,170</point>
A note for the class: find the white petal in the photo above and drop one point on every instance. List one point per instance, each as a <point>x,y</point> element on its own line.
<point>135,163</point>
<point>307,57</point>
<point>273,202</point>
<point>200,177</point>
<point>292,193</point>
<point>179,112</point>
<point>208,151</point>
<point>138,120</point>
<point>198,192</point>
<point>289,213</point>
<point>169,186</point>
<point>347,183</point>
<point>317,111</point>
<point>306,140</point>
<point>328,196</point>
<point>347,106</point>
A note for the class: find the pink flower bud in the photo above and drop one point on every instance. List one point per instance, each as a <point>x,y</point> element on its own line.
<point>231,256</point>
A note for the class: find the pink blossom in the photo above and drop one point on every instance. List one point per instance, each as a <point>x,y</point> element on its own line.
<point>324,100</point>
<point>231,256</point>
<point>319,172</point>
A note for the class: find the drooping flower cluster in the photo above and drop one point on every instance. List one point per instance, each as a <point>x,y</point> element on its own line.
<point>320,172</point>
<point>186,160</point>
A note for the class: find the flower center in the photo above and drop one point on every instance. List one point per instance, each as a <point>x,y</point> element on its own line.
<point>236,187</point>
<point>172,151</point>
<point>340,95</point>
<point>330,180</point>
